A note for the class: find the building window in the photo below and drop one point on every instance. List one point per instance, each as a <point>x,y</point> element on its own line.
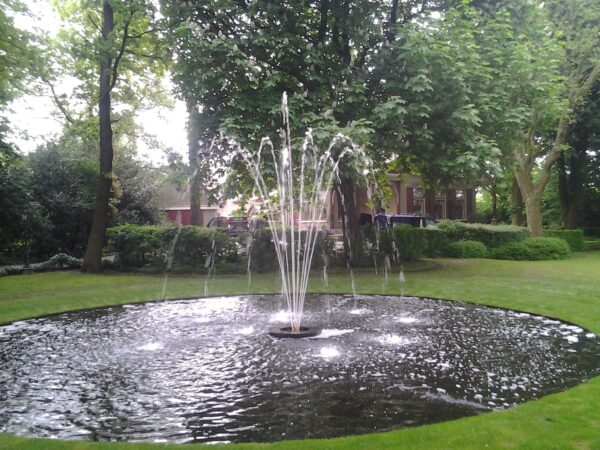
<point>418,203</point>
<point>458,204</point>
<point>440,206</point>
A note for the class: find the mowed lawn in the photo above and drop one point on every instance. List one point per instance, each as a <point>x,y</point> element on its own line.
<point>568,289</point>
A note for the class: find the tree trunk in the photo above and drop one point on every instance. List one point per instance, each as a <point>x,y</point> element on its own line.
<point>494,194</point>
<point>570,183</point>
<point>92,260</point>
<point>517,204</point>
<point>532,198</point>
<point>347,200</point>
<point>195,175</point>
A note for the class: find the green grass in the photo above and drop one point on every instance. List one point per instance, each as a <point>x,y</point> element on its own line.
<point>568,289</point>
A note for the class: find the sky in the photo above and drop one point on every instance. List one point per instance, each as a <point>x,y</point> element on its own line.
<point>35,118</point>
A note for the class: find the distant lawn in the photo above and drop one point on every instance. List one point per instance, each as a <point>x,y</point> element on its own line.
<point>567,289</point>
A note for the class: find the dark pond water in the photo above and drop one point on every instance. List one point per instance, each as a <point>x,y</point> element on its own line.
<point>206,371</point>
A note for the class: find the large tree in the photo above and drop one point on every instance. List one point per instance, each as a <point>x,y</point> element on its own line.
<point>399,81</point>
<point>545,59</point>
<point>117,41</point>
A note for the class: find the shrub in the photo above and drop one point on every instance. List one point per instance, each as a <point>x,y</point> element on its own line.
<point>533,249</point>
<point>148,247</point>
<point>59,261</point>
<point>410,242</point>
<point>591,231</point>
<point>467,249</point>
<point>491,236</point>
<point>436,243</point>
<point>573,237</point>
<point>592,244</point>
<point>402,243</point>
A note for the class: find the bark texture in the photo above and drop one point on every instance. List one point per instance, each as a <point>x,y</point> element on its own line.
<point>92,260</point>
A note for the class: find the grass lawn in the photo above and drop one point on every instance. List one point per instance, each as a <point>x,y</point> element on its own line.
<point>569,290</point>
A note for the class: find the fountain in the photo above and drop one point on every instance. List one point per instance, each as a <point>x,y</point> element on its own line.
<point>201,370</point>
<point>298,193</point>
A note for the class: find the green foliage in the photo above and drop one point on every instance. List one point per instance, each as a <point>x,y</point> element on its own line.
<point>410,242</point>
<point>591,232</point>
<point>402,243</point>
<point>57,262</point>
<point>573,237</point>
<point>490,235</point>
<point>591,244</point>
<point>533,249</point>
<point>467,249</point>
<point>436,243</point>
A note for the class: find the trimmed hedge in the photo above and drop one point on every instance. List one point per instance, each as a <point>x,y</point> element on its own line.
<point>533,249</point>
<point>402,243</point>
<point>592,244</point>
<point>150,247</point>
<point>573,237</point>
<point>491,236</point>
<point>193,249</point>
<point>591,231</point>
<point>467,249</point>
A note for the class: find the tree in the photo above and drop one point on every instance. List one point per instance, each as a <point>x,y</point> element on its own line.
<point>126,55</point>
<point>396,80</point>
<point>526,91</point>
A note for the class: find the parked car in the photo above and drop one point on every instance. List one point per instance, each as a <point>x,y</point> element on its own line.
<point>390,220</point>
<point>234,225</point>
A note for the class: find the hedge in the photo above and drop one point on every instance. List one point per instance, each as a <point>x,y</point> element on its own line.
<point>467,249</point>
<point>491,236</point>
<point>153,247</point>
<point>533,249</point>
<point>402,243</point>
<point>573,237</point>
<point>193,249</point>
<point>591,231</point>
<point>592,244</point>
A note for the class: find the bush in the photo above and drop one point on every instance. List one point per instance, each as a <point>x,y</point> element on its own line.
<point>436,243</point>
<point>149,247</point>
<point>402,243</point>
<point>573,237</point>
<point>592,244</point>
<point>467,249</point>
<point>410,242</point>
<point>491,236</point>
<point>591,231</point>
<point>534,249</point>
<point>59,261</point>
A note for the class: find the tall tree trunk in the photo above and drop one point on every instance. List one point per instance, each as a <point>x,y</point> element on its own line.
<point>494,194</point>
<point>570,183</point>
<point>92,260</point>
<point>517,204</point>
<point>347,200</point>
<point>532,198</point>
<point>194,153</point>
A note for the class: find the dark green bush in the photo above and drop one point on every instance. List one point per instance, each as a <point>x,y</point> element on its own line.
<point>467,249</point>
<point>402,243</point>
<point>592,244</point>
<point>573,237</point>
<point>491,236</point>
<point>533,249</point>
<point>149,247</point>
<point>410,242</point>
<point>591,231</point>
<point>193,249</point>
<point>436,243</point>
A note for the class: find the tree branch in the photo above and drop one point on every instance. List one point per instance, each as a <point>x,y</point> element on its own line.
<point>115,67</point>
<point>58,102</point>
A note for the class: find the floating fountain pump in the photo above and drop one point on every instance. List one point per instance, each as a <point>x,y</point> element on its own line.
<point>289,332</point>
